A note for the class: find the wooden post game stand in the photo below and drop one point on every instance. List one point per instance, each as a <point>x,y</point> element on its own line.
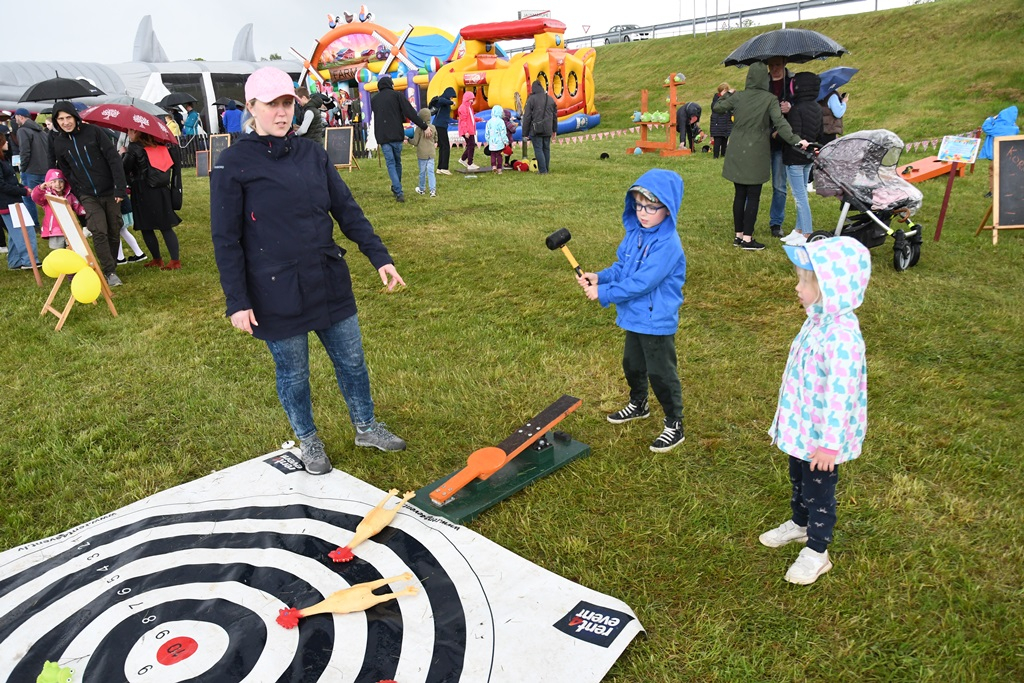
<point>669,148</point>
<point>21,220</point>
<point>494,473</point>
<point>1007,208</point>
<point>338,143</point>
<point>72,230</point>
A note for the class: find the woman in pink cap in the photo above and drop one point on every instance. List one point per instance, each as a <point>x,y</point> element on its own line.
<point>274,199</point>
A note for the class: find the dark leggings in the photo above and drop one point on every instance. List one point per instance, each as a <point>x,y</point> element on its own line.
<point>720,142</point>
<point>444,147</point>
<point>170,239</point>
<point>744,208</point>
<point>467,155</point>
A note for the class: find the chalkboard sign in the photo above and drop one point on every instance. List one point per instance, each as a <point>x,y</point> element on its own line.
<point>218,143</point>
<point>338,143</point>
<point>203,163</point>
<point>1008,190</point>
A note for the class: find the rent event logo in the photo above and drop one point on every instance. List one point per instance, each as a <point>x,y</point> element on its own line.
<point>594,624</point>
<point>286,462</point>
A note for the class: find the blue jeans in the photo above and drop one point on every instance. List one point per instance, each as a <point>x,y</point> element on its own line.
<point>17,256</point>
<point>344,344</point>
<point>427,174</point>
<point>30,180</point>
<point>798,177</point>
<point>393,158</point>
<point>542,149</point>
<point>777,212</point>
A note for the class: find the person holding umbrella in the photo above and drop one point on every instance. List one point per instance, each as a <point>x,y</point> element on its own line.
<point>749,161</point>
<point>87,158</point>
<point>150,167</point>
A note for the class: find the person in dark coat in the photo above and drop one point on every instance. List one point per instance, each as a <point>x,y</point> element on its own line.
<point>34,144</point>
<point>152,206</point>
<point>391,110</point>
<point>721,124</point>
<point>282,274</point>
<point>12,192</point>
<point>805,120</point>
<point>755,112</point>
<point>442,119</point>
<point>687,117</point>
<point>87,158</point>
<point>540,124</point>
<point>778,85</point>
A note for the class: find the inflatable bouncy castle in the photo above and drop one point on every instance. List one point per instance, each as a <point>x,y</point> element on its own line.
<point>423,61</point>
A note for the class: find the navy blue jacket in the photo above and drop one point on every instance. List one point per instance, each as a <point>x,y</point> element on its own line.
<point>444,103</point>
<point>273,204</point>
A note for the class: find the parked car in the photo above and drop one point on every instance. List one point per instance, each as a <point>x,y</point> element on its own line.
<point>624,33</point>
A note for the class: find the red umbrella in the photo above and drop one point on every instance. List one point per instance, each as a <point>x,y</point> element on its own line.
<point>125,117</point>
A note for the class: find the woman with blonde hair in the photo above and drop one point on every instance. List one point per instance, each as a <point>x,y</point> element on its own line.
<point>721,124</point>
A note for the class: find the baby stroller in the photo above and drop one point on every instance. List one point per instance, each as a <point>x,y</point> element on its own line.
<point>860,169</point>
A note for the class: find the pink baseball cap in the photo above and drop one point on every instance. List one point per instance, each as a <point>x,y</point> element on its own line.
<point>267,84</point>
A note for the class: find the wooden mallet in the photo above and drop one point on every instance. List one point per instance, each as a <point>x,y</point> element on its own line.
<point>558,240</point>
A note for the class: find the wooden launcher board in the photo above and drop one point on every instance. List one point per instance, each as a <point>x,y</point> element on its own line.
<point>494,473</point>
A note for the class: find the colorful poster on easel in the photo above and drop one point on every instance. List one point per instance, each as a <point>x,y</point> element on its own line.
<point>959,149</point>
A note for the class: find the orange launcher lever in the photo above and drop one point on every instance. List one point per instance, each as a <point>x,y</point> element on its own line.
<point>486,461</point>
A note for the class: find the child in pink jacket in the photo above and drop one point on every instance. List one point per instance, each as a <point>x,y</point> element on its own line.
<point>467,129</point>
<point>56,185</point>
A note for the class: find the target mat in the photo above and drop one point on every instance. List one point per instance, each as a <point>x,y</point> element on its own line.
<point>186,585</point>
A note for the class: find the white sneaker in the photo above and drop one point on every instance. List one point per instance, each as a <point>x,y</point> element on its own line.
<point>787,532</point>
<point>810,188</point>
<point>463,162</point>
<point>3,250</point>
<point>473,167</point>
<point>419,190</point>
<point>86,232</point>
<point>433,193</point>
<point>794,238</point>
<point>444,171</point>
<point>808,567</point>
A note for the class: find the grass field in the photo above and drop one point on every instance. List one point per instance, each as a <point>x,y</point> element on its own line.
<point>929,549</point>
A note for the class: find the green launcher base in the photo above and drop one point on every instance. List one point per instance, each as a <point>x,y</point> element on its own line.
<point>520,472</point>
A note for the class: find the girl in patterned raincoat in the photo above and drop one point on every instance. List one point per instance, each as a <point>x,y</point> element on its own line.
<point>821,418</point>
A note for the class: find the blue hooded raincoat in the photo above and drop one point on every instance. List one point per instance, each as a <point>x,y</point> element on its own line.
<point>646,281</point>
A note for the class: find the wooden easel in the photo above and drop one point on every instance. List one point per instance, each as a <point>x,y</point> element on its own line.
<point>20,217</point>
<point>72,230</point>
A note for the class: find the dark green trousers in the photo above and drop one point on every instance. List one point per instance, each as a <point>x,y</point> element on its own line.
<point>650,359</point>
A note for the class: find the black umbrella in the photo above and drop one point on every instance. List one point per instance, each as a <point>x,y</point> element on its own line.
<point>795,44</point>
<point>59,89</point>
<point>93,90</point>
<point>176,98</point>
<point>222,101</point>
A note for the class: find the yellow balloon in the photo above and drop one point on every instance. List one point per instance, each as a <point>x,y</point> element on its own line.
<point>62,262</point>
<point>85,287</point>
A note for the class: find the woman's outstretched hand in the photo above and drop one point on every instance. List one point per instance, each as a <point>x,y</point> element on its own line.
<point>390,277</point>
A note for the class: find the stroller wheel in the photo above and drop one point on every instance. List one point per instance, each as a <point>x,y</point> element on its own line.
<point>915,253</point>
<point>820,235</point>
<point>901,256</point>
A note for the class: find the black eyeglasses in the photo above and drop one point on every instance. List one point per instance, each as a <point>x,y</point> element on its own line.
<point>649,208</point>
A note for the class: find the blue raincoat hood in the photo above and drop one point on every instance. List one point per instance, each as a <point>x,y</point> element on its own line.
<point>1002,124</point>
<point>667,186</point>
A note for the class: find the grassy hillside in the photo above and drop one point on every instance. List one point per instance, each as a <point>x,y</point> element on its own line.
<point>926,70</point>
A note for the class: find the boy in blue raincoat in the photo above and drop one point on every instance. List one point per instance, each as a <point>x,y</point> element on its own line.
<point>645,283</point>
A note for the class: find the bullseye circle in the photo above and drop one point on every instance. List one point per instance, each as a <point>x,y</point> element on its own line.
<point>175,651</point>
<point>178,650</point>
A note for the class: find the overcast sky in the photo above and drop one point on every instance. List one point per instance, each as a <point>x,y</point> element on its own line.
<point>105,32</point>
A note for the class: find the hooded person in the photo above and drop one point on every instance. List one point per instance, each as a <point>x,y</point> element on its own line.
<point>748,164</point>
<point>1002,124</point>
<point>87,158</point>
<point>467,129</point>
<point>645,284</point>
<point>425,157</point>
<point>540,122</point>
<point>496,136</point>
<point>821,418</point>
<point>391,110</point>
<point>232,118</point>
<point>54,184</point>
<point>442,105</point>
<point>805,120</point>
<point>687,117</point>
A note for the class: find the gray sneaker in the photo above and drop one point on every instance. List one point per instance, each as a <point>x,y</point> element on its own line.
<point>379,436</point>
<point>113,280</point>
<point>313,456</point>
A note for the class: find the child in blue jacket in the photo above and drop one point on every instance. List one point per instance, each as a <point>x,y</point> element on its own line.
<point>645,283</point>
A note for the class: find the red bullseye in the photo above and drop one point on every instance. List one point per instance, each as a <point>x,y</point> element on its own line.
<point>176,650</point>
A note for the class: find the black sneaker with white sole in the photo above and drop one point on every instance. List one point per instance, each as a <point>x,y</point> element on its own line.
<point>632,411</point>
<point>670,437</point>
<point>752,245</point>
<point>737,242</point>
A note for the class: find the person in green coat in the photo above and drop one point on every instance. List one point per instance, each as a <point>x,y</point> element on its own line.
<point>748,165</point>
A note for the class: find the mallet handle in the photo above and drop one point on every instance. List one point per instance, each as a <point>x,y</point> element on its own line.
<point>573,263</point>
